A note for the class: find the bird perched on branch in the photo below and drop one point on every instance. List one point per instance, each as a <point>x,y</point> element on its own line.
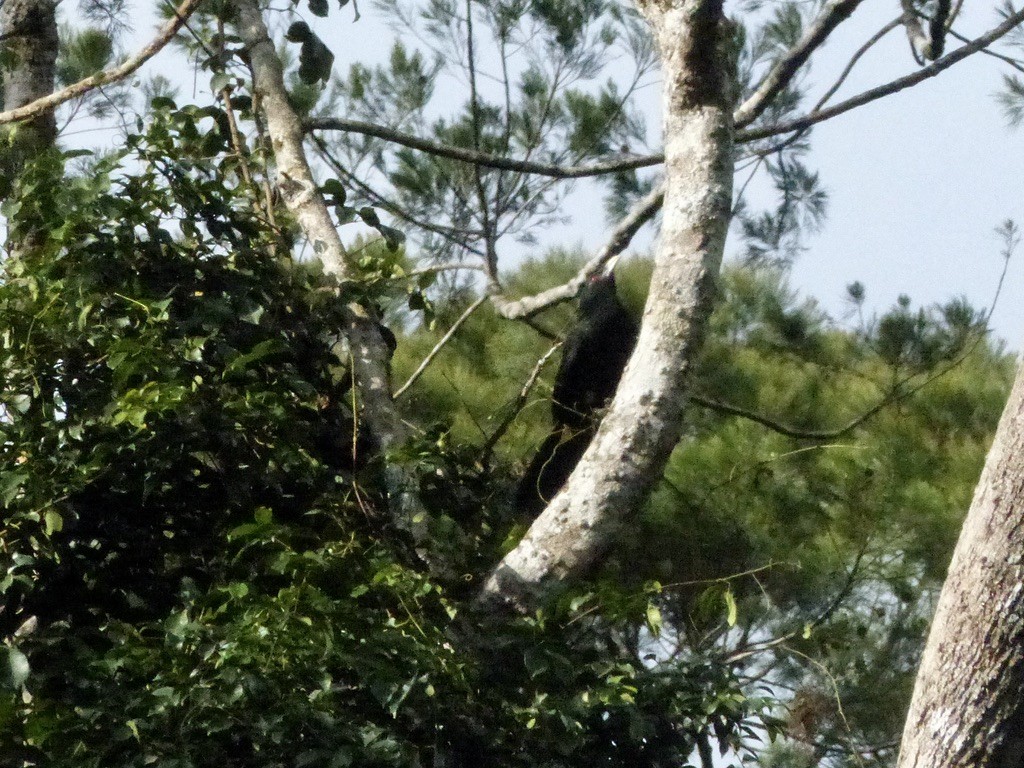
<point>594,356</point>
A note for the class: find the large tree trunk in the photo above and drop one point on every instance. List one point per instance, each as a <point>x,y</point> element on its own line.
<point>643,423</point>
<point>29,33</point>
<point>29,29</point>
<point>968,705</point>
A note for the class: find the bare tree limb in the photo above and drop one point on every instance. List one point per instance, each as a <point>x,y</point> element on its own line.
<point>748,111</point>
<point>621,236</point>
<point>482,158</point>
<point>873,94</point>
<point>1013,62</point>
<point>868,45</point>
<point>112,75</point>
<point>780,75</point>
<point>440,345</point>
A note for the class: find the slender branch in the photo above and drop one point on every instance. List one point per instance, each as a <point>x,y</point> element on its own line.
<point>873,94</point>
<point>1015,63</point>
<point>822,27</point>
<point>490,253</point>
<point>433,268</point>
<point>794,432</point>
<point>488,447</point>
<point>834,604</point>
<point>107,76</point>
<point>621,236</point>
<point>440,345</point>
<point>871,42</point>
<point>482,158</point>
<point>780,75</point>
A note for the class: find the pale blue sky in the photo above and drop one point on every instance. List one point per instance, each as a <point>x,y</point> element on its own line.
<point>918,181</point>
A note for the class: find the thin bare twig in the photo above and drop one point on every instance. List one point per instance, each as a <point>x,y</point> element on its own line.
<point>488,447</point>
<point>834,605</point>
<point>780,75</point>
<point>440,345</point>
<point>490,252</point>
<point>871,42</point>
<point>899,84</point>
<point>107,76</point>
<point>1015,63</point>
<point>431,269</point>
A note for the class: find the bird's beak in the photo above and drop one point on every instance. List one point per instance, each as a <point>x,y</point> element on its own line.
<point>609,265</point>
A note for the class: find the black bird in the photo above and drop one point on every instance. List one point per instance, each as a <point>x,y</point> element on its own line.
<point>594,356</point>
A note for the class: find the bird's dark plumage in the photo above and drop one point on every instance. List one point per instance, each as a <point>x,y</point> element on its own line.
<point>594,356</point>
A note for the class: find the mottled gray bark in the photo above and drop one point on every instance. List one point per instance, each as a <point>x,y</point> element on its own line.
<point>644,420</point>
<point>29,30</point>
<point>967,709</point>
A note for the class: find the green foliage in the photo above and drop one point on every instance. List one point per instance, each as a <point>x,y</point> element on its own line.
<point>550,97</point>
<point>195,568</point>
<point>83,52</point>
<point>833,537</point>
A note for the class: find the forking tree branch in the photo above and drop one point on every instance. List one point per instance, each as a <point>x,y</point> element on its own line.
<point>873,94</point>
<point>773,83</point>
<point>645,209</point>
<point>780,75</point>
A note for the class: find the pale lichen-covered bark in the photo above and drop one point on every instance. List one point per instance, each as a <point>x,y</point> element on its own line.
<point>644,421</point>
<point>298,187</point>
<point>29,28</point>
<point>967,709</point>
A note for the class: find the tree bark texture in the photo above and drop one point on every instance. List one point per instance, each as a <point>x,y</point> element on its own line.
<point>367,347</point>
<point>644,421</point>
<point>29,28</point>
<point>967,709</point>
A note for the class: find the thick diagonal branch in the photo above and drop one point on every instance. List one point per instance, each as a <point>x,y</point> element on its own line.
<point>619,240</point>
<point>644,420</point>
